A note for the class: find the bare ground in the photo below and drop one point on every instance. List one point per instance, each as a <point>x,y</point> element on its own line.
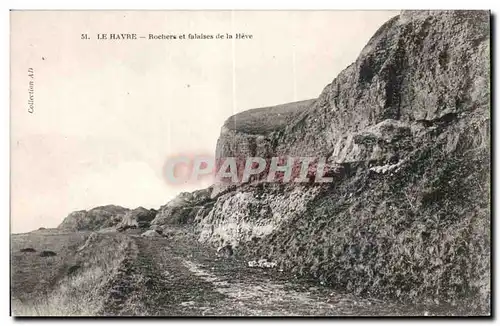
<point>178,276</point>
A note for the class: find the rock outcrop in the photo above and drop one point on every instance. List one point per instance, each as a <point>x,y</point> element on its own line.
<point>108,217</point>
<point>409,120</point>
<point>184,208</point>
<point>137,218</point>
<point>151,234</point>
<point>95,219</point>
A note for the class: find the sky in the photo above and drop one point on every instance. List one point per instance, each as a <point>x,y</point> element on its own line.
<point>108,113</point>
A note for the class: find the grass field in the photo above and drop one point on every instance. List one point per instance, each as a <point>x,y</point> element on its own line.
<point>267,119</point>
<point>71,283</point>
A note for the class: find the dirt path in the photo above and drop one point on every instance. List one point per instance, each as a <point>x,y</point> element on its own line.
<point>172,276</point>
<point>181,277</point>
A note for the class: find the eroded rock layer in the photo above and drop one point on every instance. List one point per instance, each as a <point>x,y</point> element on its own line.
<point>410,121</point>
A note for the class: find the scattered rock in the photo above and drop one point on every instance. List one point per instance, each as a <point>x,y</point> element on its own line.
<point>187,303</point>
<point>151,233</point>
<point>47,253</point>
<point>261,263</point>
<point>225,251</point>
<point>28,250</point>
<point>73,269</point>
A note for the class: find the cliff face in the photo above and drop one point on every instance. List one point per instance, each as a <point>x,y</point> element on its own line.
<point>251,133</point>
<point>418,67</point>
<point>409,216</point>
<point>410,121</point>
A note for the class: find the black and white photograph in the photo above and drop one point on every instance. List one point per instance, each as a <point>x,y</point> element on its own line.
<point>250,163</point>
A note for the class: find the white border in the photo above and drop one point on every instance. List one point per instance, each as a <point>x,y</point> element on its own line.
<point>247,4</point>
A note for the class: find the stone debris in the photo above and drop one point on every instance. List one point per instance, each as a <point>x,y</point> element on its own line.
<point>261,263</point>
<point>150,233</point>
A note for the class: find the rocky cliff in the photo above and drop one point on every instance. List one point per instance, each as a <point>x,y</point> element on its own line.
<point>410,120</point>
<point>251,134</point>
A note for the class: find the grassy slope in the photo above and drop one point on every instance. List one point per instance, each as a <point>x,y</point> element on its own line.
<point>45,286</point>
<point>268,119</point>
